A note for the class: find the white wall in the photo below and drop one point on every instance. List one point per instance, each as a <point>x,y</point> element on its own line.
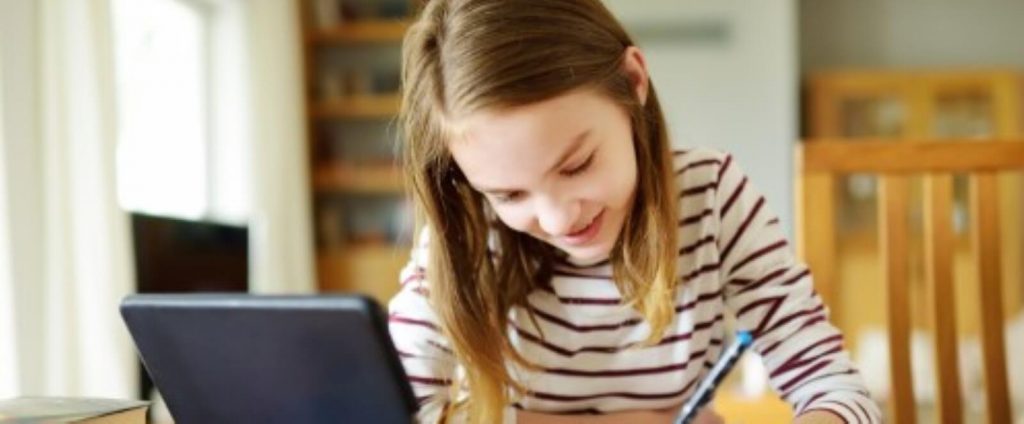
<point>888,33</point>
<point>726,74</point>
<point>281,220</point>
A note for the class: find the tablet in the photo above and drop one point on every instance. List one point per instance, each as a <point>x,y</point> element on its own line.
<point>219,358</point>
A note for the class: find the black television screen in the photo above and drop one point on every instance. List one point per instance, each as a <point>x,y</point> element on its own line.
<point>174,255</point>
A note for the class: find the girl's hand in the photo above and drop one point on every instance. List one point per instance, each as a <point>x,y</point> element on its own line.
<point>706,415</point>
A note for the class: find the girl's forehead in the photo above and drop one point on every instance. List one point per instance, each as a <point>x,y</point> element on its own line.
<point>550,120</point>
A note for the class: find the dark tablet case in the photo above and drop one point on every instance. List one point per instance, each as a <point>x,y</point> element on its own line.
<point>270,359</point>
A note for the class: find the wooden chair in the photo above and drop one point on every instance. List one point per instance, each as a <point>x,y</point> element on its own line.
<point>819,162</point>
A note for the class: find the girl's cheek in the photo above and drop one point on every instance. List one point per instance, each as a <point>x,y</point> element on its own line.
<point>515,218</point>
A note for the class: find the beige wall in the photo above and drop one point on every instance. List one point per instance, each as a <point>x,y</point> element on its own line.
<point>910,33</point>
<point>726,73</point>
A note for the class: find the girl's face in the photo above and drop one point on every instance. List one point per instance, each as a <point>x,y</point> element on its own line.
<point>561,170</point>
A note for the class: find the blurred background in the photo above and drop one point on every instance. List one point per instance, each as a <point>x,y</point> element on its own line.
<point>249,145</point>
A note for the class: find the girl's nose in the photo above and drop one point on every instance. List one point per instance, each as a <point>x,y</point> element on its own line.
<point>557,218</point>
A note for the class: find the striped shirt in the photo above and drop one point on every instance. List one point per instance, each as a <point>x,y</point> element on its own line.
<point>734,261</point>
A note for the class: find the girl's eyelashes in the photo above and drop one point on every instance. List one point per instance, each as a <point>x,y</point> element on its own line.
<point>509,197</point>
<point>580,168</point>
<point>514,196</point>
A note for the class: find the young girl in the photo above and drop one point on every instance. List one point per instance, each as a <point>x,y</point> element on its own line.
<point>570,266</point>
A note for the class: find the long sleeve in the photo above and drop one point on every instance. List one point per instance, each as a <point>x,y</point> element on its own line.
<point>424,351</point>
<point>772,295</point>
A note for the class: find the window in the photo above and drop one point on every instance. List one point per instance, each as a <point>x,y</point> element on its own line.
<point>162,76</point>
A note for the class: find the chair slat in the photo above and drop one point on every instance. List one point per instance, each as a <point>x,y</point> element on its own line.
<point>817,212</point>
<point>893,238</point>
<point>985,236</point>
<point>873,156</point>
<point>938,236</point>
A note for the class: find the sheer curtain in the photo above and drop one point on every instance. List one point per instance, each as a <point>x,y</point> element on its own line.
<point>67,241</point>
<point>8,353</point>
<point>65,258</point>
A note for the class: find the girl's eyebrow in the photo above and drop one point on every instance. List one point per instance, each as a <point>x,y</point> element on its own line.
<point>574,146</point>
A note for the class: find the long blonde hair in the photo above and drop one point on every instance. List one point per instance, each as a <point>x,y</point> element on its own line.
<point>462,56</point>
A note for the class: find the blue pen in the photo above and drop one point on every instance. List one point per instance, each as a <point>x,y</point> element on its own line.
<point>706,389</point>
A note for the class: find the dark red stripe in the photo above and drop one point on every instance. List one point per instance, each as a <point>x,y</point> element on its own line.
<point>807,373</point>
<point>763,280</point>
<point>797,359</point>
<point>686,250</point>
<point>809,323</point>
<point>554,319</point>
<point>797,277</point>
<point>697,272</point>
<point>739,281</point>
<point>608,301</point>
<point>700,299</point>
<point>571,274</point>
<point>816,378</point>
<point>429,380</point>
<point>697,164</point>
<point>757,303</point>
<point>844,406</point>
<point>438,346</point>
<point>562,261</point>
<point>632,371</point>
<point>627,395</point>
<point>613,301</point>
<point>732,198</point>
<point>412,321</point>
<point>583,411</point>
<point>808,402</point>
<point>689,335</point>
<point>758,254</point>
<point>693,219</point>
<point>743,228</point>
<point>865,411</point>
<point>721,171</point>
<point>560,350</point>
<point>417,274</point>
<point>820,309</point>
<point>775,304</point>
<point>697,190</point>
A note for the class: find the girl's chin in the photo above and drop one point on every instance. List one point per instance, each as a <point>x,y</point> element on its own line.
<point>590,255</point>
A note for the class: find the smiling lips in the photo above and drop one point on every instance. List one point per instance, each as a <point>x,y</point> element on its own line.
<point>586,234</point>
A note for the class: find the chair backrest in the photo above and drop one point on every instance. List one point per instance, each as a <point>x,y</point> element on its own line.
<point>821,162</point>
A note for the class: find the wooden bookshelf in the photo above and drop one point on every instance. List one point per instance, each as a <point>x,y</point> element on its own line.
<point>358,107</point>
<point>371,268</point>
<point>359,33</point>
<point>374,179</point>
<point>350,56</point>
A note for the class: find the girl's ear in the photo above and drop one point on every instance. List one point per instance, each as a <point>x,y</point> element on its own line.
<point>635,66</point>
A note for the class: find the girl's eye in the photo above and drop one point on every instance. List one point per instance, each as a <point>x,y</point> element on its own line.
<point>579,169</point>
<point>509,197</point>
